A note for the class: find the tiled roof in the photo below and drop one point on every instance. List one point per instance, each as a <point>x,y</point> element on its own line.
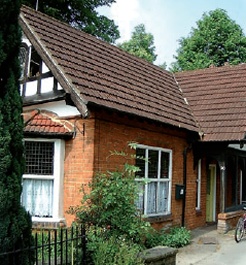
<point>44,122</point>
<point>95,72</point>
<point>217,97</point>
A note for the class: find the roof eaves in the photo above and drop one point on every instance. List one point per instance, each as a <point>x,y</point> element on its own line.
<point>53,65</point>
<point>149,119</point>
<point>238,137</point>
<point>67,135</point>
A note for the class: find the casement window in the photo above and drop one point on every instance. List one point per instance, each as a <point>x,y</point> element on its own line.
<point>43,178</point>
<point>154,180</point>
<point>198,186</point>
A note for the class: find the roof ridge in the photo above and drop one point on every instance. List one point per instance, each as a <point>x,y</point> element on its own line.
<point>214,69</point>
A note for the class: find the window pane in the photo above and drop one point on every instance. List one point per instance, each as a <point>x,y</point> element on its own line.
<point>140,162</point>
<point>164,165</point>
<point>37,197</point>
<point>23,54</point>
<point>163,197</point>
<point>140,200</point>
<point>23,58</point>
<point>153,164</point>
<point>151,198</point>
<point>39,158</point>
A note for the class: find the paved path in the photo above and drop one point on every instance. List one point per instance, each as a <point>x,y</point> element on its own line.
<point>210,247</point>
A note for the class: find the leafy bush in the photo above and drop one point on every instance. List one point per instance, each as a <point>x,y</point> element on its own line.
<point>177,237</point>
<point>112,250</point>
<point>154,238</point>
<point>110,204</point>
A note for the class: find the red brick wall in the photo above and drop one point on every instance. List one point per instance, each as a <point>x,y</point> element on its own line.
<point>195,218</point>
<point>105,132</point>
<point>79,160</point>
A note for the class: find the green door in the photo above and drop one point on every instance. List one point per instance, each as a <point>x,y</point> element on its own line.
<point>211,194</point>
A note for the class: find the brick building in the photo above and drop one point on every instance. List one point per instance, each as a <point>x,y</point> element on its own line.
<point>83,98</point>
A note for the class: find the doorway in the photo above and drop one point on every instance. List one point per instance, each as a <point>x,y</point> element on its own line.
<point>211,194</point>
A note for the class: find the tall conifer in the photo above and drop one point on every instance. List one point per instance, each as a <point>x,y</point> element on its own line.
<point>15,223</point>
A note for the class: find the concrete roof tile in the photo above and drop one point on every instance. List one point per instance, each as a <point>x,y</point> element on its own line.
<point>217,97</point>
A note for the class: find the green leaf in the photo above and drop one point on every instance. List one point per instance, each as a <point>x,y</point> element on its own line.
<point>216,40</point>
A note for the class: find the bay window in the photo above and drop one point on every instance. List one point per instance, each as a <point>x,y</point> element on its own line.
<point>154,179</point>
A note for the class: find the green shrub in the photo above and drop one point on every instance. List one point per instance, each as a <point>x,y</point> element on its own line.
<point>178,237</point>
<point>105,248</point>
<point>154,238</point>
<point>113,252</point>
<point>110,203</point>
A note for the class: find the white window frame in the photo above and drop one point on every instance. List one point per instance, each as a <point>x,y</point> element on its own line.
<point>57,177</point>
<point>158,179</point>
<point>198,187</point>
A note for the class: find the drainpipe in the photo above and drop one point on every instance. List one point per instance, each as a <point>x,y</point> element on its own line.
<point>184,181</point>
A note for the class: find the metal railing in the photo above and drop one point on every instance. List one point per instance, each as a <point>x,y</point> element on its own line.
<point>64,246</point>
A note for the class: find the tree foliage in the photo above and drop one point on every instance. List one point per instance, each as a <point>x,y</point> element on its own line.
<point>141,44</point>
<point>15,223</point>
<point>81,14</point>
<point>163,65</point>
<point>216,40</point>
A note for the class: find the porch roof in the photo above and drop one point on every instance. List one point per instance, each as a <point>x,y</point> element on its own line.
<point>217,97</point>
<point>38,122</point>
<point>95,72</point>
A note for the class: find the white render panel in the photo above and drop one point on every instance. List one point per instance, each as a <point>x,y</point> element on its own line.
<point>58,107</point>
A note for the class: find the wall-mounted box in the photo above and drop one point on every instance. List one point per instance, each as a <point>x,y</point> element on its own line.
<point>179,191</point>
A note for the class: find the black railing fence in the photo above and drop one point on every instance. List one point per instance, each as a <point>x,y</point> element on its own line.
<point>64,246</point>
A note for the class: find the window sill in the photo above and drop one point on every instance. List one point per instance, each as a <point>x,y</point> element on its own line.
<point>159,219</point>
<point>39,223</point>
